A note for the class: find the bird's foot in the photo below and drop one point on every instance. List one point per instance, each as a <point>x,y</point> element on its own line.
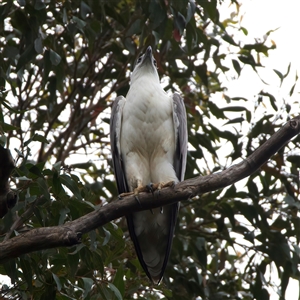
<point>140,189</point>
<point>149,187</point>
<point>158,186</point>
<point>169,184</point>
<point>136,191</point>
<point>121,196</point>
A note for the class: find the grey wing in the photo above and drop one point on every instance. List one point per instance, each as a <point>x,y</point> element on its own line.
<point>180,127</point>
<point>115,133</point>
<point>181,134</point>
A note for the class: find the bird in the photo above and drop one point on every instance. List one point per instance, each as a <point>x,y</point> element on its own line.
<point>148,137</point>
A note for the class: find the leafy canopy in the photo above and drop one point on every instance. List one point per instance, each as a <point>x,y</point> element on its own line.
<point>61,65</point>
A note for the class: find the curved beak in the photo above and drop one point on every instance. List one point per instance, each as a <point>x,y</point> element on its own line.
<point>148,55</point>
<point>148,51</point>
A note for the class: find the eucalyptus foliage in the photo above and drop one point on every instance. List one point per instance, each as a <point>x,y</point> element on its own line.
<point>62,63</point>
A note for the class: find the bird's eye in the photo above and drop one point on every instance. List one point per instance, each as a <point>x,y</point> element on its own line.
<point>139,60</point>
<point>155,63</point>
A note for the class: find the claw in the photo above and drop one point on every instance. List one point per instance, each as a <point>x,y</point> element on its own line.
<point>161,210</point>
<point>169,184</point>
<point>125,194</point>
<point>137,199</point>
<point>149,187</point>
<point>120,197</point>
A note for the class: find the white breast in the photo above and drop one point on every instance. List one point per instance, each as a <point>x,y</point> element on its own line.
<point>148,135</point>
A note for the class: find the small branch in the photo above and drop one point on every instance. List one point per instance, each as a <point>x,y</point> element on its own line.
<point>69,234</point>
<point>20,220</point>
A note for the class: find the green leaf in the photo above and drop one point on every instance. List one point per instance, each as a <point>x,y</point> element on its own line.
<point>211,8</point>
<point>71,185</point>
<point>57,166</point>
<point>216,111</point>
<point>43,187</point>
<point>115,291</point>
<point>248,59</point>
<point>119,281</point>
<point>38,45</point>
<point>227,211</point>
<point>235,120</point>
<point>252,188</point>
<point>22,2</point>
<point>63,215</point>
<point>279,74</point>
<point>287,71</point>
<point>84,165</point>
<point>135,28</point>
<point>27,271</point>
<point>23,178</point>
<point>57,281</point>
<point>3,140</point>
<point>236,66</point>
<point>80,24</point>
<point>26,57</point>
<point>292,90</point>
<point>40,138</point>
<point>229,39</point>
<point>205,141</point>
<point>30,199</point>
<point>201,251</point>
<point>190,10</point>
<point>35,170</point>
<point>107,236</point>
<point>180,22</point>
<point>73,261</point>
<point>54,58</point>
<point>57,188</point>
<point>288,199</point>
<point>84,10</point>
<point>88,282</point>
<point>39,4</point>
<point>7,127</point>
<point>245,31</point>
<point>202,72</point>
<point>234,108</point>
<point>248,211</point>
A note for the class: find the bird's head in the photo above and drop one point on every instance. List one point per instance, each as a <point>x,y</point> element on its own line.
<point>145,66</point>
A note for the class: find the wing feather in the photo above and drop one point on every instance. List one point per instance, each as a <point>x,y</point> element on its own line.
<point>181,136</point>
<point>180,124</point>
<point>115,133</point>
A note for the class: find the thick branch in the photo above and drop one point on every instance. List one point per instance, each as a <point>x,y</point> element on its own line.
<point>69,234</point>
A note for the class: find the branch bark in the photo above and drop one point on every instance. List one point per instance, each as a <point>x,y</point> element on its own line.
<point>70,233</point>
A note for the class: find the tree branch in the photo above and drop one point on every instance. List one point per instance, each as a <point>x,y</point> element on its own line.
<point>70,233</point>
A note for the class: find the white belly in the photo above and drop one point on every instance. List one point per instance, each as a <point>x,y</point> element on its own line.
<point>148,137</point>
